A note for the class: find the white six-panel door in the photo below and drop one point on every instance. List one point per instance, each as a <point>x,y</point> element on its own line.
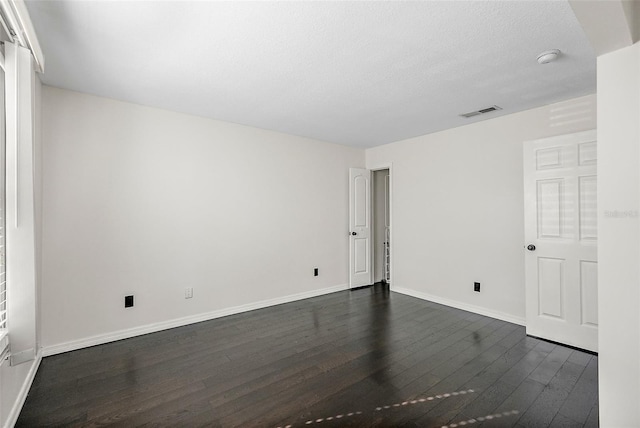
<point>561,263</point>
<point>360,245</point>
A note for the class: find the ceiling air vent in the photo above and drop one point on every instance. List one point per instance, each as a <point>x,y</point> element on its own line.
<point>481,111</point>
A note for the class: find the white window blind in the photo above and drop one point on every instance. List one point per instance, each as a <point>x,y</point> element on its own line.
<point>19,203</point>
<point>3,281</point>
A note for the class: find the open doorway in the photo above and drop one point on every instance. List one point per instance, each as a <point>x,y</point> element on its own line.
<point>381,227</point>
<point>370,226</point>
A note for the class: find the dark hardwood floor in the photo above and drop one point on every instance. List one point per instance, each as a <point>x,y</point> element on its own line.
<point>362,358</point>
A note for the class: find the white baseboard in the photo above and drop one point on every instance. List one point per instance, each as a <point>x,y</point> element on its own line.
<point>460,305</point>
<point>179,322</point>
<point>24,390</point>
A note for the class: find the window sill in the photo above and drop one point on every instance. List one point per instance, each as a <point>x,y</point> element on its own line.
<point>4,343</point>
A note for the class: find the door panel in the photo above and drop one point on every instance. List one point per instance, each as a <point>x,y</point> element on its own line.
<point>549,158</point>
<point>589,293</point>
<point>588,207</point>
<point>560,181</point>
<point>587,153</point>
<point>550,280</point>
<point>361,256</point>
<point>361,187</point>
<point>360,235</point>
<point>550,213</point>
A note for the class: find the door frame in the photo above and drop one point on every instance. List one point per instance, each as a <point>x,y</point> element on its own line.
<point>380,167</point>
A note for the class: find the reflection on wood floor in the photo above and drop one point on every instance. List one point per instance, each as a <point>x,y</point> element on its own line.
<point>362,358</point>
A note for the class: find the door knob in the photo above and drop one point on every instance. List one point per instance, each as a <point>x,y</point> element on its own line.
<point>354,233</point>
<point>531,247</point>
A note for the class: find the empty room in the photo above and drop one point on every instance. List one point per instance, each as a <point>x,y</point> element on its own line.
<point>320,213</point>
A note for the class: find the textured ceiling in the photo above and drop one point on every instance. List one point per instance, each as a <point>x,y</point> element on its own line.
<point>361,73</point>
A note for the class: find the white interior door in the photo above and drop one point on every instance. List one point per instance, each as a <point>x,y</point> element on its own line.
<point>561,263</point>
<point>360,245</point>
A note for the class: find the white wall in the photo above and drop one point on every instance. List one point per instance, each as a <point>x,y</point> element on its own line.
<point>632,13</point>
<point>147,202</point>
<point>619,236</point>
<point>458,207</point>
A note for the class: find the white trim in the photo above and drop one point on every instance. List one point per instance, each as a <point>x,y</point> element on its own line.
<point>15,16</point>
<point>460,305</point>
<point>22,395</point>
<point>22,14</point>
<point>380,167</point>
<point>179,322</point>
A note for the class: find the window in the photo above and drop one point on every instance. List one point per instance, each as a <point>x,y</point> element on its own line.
<point>3,282</point>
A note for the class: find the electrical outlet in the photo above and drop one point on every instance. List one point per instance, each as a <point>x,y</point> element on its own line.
<point>128,301</point>
<point>476,286</point>
<point>315,271</point>
<point>188,292</point>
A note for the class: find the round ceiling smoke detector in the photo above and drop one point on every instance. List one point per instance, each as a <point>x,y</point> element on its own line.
<point>548,56</point>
